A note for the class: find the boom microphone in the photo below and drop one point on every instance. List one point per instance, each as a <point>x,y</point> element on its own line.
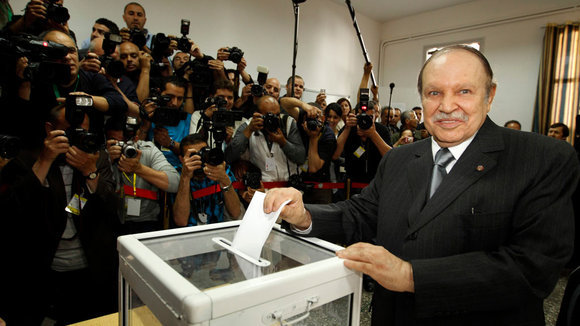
<point>391,85</point>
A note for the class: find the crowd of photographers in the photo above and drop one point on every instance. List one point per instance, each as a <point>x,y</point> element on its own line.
<point>135,132</point>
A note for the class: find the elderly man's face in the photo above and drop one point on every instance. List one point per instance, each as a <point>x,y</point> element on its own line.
<point>180,59</point>
<point>454,97</point>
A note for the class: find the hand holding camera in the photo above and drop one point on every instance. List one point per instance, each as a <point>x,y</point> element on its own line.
<point>161,137</point>
<point>351,120</point>
<point>35,9</point>
<point>55,143</point>
<point>82,161</point>
<point>217,173</point>
<point>216,65</point>
<point>91,63</point>
<point>257,122</point>
<point>130,164</point>
<point>191,163</point>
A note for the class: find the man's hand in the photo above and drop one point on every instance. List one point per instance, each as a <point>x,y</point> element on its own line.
<point>144,60</point>
<point>277,137</point>
<point>125,34</point>
<point>195,51</point>
<point>216,65</point>
<point>113,149</point>
<point>55,144</point>
<point>321,99</point>
<point>368,68</point>
<point>161,136</point>
<point>91,63</point>
<point>130,165</point>
<point>34,10</point>
<point>388,270</point>
<point>217,173</point>
<point>209,111</point>
<point>257,122</point>
<point>190,164</point>
<point>351,120</point>
<point>223,54</point>
<point>242,65</point>
<point>229,134</point>
<point>84,162</point>
<point>311,133</point>
<point>293,213</point>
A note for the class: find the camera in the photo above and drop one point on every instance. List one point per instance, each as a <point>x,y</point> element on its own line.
<point>221,118</point>
<point>183,43</point>
<point>86,141</point>
<point>138,37</point>
<point>76,108</point>
<point>236,54</point>
<point>296,181</point>
<point>313,124</point>
<point>163,115</point>
<point>252,179</point>
<point>9,146</point>
<point>56,12</point>
<point>43,59</point>
<point>271,122</point>
<point>113,67</point>
<point>128,148</point>
<point>212,156</point>
<point>258,90</point>
<point>160,47</point>
<point>364,121</point>
<point>217,101</point>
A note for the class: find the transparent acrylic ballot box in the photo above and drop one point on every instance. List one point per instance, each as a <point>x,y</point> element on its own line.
<point>185,277</point>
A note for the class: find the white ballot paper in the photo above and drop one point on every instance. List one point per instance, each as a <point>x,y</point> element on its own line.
<point>255,227</point>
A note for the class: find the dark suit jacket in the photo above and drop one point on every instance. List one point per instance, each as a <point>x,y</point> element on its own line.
<point>486,248</point>
<point>31,225</point>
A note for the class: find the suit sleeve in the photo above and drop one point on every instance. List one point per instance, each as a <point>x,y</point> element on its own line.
<point>525,267</point>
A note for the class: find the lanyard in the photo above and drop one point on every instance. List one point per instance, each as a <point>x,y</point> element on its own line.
<point>57,92</point>
<point>134,183</point>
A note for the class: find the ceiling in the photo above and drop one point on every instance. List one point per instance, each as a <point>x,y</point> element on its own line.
<point>385,10</point>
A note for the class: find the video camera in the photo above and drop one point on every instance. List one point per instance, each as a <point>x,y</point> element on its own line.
<point>43,59</point>
<point>114,68</point>
<point>9,146</point>
<point>76,108</point>
<point>163,115</point>
<point>258,90</point>
<point>364,121</point>
<point>56,12</point>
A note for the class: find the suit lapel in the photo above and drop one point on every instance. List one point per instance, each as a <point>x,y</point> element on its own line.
<point>419,170</point>
<point>472,165</point>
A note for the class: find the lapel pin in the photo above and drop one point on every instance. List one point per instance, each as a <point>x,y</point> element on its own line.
<point>480,168</point>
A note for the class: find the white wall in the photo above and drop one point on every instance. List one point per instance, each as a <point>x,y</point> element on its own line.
<point>512,33</point>
<point>329,55</point>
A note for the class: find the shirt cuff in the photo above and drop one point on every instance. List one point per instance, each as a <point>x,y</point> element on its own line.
<point>301,232</point>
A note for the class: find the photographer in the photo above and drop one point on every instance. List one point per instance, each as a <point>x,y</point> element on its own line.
<point>40,16</point>
<point>197,174</point>
<point>140,171</point>
<point>320,143</point>
<point>135,17</point>
<point>272,140</point>
<point>137,68</point>
<point>362,148</point>
<point>100,27</point>
<point>225,91</point>
<point>43,96</point>
<point>167,137</point>
<point>113,71</point>
<point>62,195</point>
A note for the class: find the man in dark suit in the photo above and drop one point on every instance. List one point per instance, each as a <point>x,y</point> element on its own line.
<point>486,246</point>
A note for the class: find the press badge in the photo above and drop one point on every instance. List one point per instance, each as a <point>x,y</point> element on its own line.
<point>73,205</point>
<point>202,217</point>
<point>270,164</point>
<point>359,152</point>
<point>133,206</point>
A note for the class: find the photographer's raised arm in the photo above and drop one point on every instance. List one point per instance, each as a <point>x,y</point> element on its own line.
<point>144,76</point>
<point>293,105</point>
<point>364,83</point>
<point>341,140</point>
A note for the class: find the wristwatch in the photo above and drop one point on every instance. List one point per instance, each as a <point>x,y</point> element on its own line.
<point>92,176</point>
<point>172,144</point>
<point>226,188</point>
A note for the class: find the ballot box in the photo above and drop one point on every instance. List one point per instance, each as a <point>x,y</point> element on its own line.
<point>192,276</point>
